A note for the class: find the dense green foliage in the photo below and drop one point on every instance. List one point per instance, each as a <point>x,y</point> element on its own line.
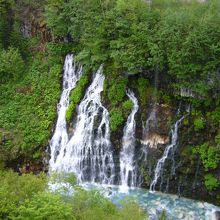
<point>116,93</point>
<point>127,105</point>
<point>34,98</point>
<point>24,197</point>
<point>211,182</point>
<point>209,155</point>
<point>15,190</point>
<point>45,206</point>
<point>29,85</point>
<point>116,119</point>
<point>135,38</point>
<point>12,65</point>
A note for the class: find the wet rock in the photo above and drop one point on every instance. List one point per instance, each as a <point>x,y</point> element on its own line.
<point>217,215</point>
<point>154,139</point>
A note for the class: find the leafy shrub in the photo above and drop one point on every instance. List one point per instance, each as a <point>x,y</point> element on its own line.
<point>165,98</point>
<point>117,91</point>
<point>34,98</point>
<point>127,105</point>
<point>62,177</point>
<point>92,205</point>
<point>130,210</point>
<point>217,140</point>
<point>209,155</point>
<point>11,65</point>
<point>15,189</point>
<point>45,206</point>
<point>116,119</point>
<point>24,197</point>
<point>211,182</point>
<point>59,49</point>
<point>199,124</point>
<point>214,117</point>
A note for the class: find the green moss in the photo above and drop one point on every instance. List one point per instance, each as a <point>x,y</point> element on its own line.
<point>127,105</point>
<point>69,111</point>
<point>186,122</point>
<point>76,95</point>
<point>211,182</point>
<point>116,119</point>
<point>199,124</point>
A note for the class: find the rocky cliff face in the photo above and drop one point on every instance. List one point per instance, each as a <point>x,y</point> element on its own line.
<point>183,171</point>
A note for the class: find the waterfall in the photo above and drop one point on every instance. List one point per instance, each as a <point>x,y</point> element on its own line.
<point>127,167</point>
<point>71,75</point>
<point>88,153</point>
<point>169,148</point>
<point>151,123</point>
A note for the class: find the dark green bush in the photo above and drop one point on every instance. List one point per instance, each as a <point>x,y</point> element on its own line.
<point>211,182</point>
<point>199,124</point>
<point>127,105</point>
<point>11,65</point>
<point>45,206</point>
<point>15,189</point>
<point>116,119</point>
<point>209,155</point>
<point>117,91</point>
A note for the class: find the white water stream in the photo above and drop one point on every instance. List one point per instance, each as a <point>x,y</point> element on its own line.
<point>127,166</point>
<point>88,153</point>
<point>169,148</point>
<point>71,75</point>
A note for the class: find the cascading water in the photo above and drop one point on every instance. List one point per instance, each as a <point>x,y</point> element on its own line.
<point>169,148</point>
<point>151,123</point>
<point>127,167</point>
<point>72,73</point>
<point>88,153</point>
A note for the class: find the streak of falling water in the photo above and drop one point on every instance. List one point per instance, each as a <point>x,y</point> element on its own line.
<point>88,153</point>
<point>71,75</point>
<point>151,123</point>
<point>168,150</point>
<point>127,166</point>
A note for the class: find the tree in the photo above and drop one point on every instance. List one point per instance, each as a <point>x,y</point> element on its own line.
<point>45,206</point>
<point>11,65</point>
